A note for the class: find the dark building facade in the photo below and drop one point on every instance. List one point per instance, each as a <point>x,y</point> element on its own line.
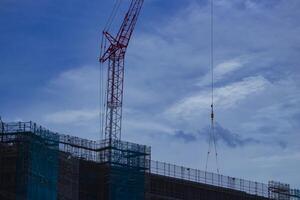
<point>38,164</point>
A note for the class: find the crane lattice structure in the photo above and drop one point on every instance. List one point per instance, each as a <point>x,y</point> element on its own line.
<point>114,55</point>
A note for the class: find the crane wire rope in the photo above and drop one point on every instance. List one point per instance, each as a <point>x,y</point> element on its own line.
<point>101,89</point>
<point>104,84</point>
<point>112,15</point>
<point>212,137</point>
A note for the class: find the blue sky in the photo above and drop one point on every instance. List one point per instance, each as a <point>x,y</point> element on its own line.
<point>49,74</point>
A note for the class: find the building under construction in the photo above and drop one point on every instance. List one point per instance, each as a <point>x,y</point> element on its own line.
<point>36,163</point>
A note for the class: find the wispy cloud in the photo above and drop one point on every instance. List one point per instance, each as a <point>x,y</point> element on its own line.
<point>71,116</point>
<point>79,79</point>
<point>225,97</point>
<point>224,69</point>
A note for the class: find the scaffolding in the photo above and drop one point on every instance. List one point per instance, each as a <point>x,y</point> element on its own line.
<point>97,151</point>
<point>8,160</point>
<point>128,164</point>
<point>68,184</point>
<point>282,191</point>
<point>36,163</point>
<point>57,165</point>
<point>295,194</point>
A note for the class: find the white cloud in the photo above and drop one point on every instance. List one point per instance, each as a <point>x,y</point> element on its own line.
<point>227,67</point>
<point>224,69</point>
<point>225,97</point>
<point>250,4</point>
<point>275,159</point>
<point>151,127</point>
<point>71,116</point>
<point>81,79</point>
<point>276,113</point>
<point>230,95</point>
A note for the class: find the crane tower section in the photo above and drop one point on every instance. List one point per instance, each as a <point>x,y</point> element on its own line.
<point>114,56</point>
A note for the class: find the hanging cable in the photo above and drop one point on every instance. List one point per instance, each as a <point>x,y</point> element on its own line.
<point>212,137</point>
<point>215,145</point>
<point>101,89</point>
<point>212,85</point>
<point>208,152</point>
<point>104,92</point>
<point>112,15</point>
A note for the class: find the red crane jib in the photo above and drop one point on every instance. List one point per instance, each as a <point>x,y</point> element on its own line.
<point>122,39</point>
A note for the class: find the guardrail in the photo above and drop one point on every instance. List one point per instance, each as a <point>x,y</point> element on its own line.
<point>117,152</point>
<point>89,150</point>
<point>184,173</point>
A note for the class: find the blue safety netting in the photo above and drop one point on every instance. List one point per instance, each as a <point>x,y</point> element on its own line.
<point>37,167</point>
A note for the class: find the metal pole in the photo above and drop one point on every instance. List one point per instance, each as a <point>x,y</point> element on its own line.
<point>2,129</point>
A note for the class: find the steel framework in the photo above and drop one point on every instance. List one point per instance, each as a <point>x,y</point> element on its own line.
<point>79,165</point>
<point>115,55</point>
<point>50,165</point>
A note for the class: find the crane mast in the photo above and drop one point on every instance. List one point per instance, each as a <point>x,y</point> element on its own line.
<point>114,56</point>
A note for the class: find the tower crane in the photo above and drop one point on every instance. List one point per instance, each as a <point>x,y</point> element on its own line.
<point>114,56</point>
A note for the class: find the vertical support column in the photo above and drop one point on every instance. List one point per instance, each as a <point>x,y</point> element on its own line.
<point>1,129</point>
<point>114,97</point>
<point>127,174</point>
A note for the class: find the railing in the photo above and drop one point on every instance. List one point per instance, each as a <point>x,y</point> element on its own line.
<point>184,173</point>
<point>23,127</point>
<point>78,147</point>
<point>95,151</point>
<point>198,176</point>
